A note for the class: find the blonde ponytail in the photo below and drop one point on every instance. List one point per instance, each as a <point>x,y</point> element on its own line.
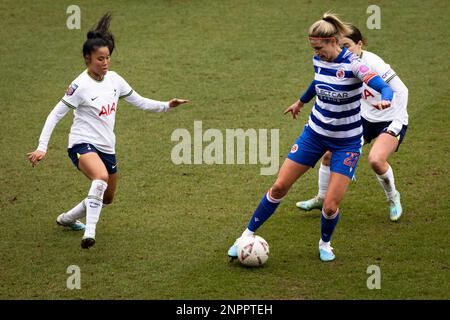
<point>330,26</point>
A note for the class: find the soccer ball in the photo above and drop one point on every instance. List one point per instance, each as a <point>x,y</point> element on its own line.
<point>253,251</point>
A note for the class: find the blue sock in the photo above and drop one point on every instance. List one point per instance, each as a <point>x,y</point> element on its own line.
<point>262,213</point>
<point>328,225</point>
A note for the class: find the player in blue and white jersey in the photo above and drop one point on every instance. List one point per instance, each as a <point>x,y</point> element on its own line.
<point>94,97</point>
<point>334,124</point>
<point>388,127</point>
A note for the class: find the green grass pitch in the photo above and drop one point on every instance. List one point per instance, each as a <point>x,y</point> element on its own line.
<point>241,63</point>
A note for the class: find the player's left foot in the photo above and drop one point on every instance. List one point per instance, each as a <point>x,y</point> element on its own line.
<point>87,242</point>
<point>74,225</point>
<point>308,205</point>
<point>395,207</point>
<point>326,251</point>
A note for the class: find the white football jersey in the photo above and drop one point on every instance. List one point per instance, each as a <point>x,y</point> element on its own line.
<point>371,96</point>
<point>95,105</point>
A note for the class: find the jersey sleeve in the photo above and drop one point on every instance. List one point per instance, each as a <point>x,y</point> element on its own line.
<point>361,70</point>
<point>399,103</point>
<point>309,93</point>
<point>124,88</point>
<point>72,98</point>
<point>147,104</point>
<point>383,69</point>
<point>58,112</point>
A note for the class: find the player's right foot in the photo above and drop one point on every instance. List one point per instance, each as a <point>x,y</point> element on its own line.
<point>308,205</point>
<point>233,251</point>
<point>395,207</point>
<point>87,242</point>
<point>74,225</point>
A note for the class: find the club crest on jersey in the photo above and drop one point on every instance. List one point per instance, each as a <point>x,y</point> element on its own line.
<point>340,73</point>
<point>106,111</point>
<point>294,148</point>
<point>71,89</point>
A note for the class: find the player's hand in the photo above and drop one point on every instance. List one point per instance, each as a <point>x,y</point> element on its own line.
<point>383,104</point>
<point>35,156</point>
<point>176,102</point>
<point>294,109</point>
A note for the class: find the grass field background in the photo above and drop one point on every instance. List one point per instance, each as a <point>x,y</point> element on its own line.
<point>241,63</point>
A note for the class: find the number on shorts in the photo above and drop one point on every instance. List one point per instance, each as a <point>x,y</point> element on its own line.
<point>352,159</point>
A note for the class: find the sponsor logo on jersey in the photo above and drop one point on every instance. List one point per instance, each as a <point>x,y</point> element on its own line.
<point>106,111</point>
<point>366,94</point>
<point>71,89</point>
<point>329,93</point>
<point>363,69</point>
<point>386,74</point>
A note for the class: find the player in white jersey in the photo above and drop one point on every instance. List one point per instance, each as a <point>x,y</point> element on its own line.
<point>334,124</point>
<point>94,96</point>
<point>388,127</point>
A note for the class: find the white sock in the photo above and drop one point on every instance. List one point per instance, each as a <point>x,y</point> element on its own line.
<point>324,244</point>
<point>324,179</point>
<point>94,203</point>
<point>247,233</point>
<point>386,180</point>
<point>77,212</point>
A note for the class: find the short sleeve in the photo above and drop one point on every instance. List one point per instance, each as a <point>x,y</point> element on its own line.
<point>72,98</point>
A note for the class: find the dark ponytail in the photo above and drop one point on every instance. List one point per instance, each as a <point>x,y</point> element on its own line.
<point>100,36</point>
<point>356,35</point>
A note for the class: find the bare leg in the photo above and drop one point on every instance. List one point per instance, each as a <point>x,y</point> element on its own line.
<point>384,146</point>
<point>323,181</point>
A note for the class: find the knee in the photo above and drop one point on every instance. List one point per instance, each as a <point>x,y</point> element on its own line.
<point>376,161</point>
<point>102,176</point>
<point>279,190</point>
<point>330,207</point>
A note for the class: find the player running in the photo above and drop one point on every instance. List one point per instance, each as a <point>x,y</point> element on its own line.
<point>388,127</point>
<point>334,124</point>
<point>94,97</point>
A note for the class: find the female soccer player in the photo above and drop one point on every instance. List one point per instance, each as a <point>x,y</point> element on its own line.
<point>388,127</point>
<point>334,124</point>
<point>94,97</point>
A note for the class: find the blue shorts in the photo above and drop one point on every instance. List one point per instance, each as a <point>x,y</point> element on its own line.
<point>310,147</point>
<point>108,159</point>
<point>371,130</point>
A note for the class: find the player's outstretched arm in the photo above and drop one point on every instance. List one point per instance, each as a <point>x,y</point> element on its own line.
<point>294,109</point>
<point>152,105</point>
<point>35,156</point>
<point>58,112</point>
<point>176,102</point>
